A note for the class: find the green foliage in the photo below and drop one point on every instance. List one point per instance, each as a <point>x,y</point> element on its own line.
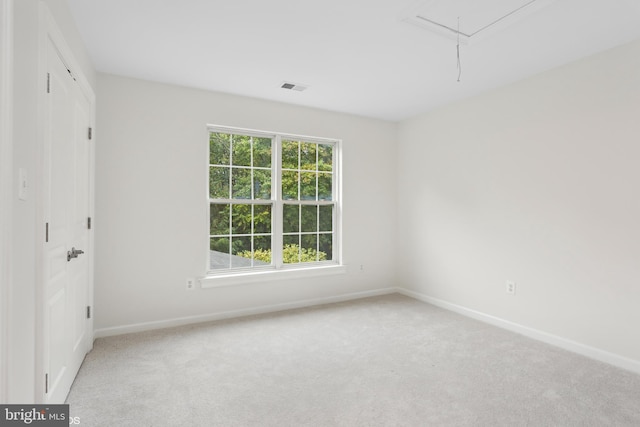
<point>239,167</point>
<point>291,255</point>
<point>263,255</point>
<point>222,244</point>
<point>219,245</point>
<point>306,171</point>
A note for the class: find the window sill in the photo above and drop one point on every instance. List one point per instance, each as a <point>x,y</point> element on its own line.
<point>241,278</point>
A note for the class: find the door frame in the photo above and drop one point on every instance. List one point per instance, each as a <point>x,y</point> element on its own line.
<point>6,187</point>
<point>49,31</point>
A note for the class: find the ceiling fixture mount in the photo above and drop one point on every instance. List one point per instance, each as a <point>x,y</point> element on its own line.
<point>480,18</point>
<point>294,86</point>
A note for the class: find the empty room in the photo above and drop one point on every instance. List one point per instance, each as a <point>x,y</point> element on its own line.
<point>296,213</point>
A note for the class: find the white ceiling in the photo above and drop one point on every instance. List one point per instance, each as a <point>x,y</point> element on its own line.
<point>356,56</point>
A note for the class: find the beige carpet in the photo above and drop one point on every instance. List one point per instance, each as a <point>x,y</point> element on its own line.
<point>384,361</point>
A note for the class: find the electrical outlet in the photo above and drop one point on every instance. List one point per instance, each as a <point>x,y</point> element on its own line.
<point>190,284</point>
<point>511,287</point>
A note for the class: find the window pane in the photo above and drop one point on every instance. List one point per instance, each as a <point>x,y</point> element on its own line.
<point>262,250</point>
<point>219,219</point>
<point>289,154</point>
<point>325,191</point>
<point>308,185</point>
<point>326,218</point>
<point>219,253</point>
<point>220,244</point>
<point>326,246</point>
<point>241,181</point>
<point>261,184</point>
<point>262,219</point>
<point>291,218</point>
<point>290,185</point>
<point>241,247</point>
<point>309,251</point>
<point>308,156</point>
<point>309,218</point>
<point>325,157</point>
<point>262,152</point>
<point>241,150</point>
<point>241,219</point>
<point>291,249</point>
<point>219,148</point>
<point>218,182</point>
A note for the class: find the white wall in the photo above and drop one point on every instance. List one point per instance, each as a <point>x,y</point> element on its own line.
<point>6,184</point>
<point>26,149</point>
<point>22,290</point>
<point>151,201</point>
<point>537,182</point>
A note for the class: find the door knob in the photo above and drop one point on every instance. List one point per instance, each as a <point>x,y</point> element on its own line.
<point>73,253</point>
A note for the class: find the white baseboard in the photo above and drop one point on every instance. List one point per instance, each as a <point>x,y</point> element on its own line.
<point>169,323</point>
<point>566,344</point>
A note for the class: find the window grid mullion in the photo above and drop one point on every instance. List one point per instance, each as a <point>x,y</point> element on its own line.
<point>299,199</point>
<point>276,193</point>
<point>230,232</point>
<point>336,198</point>
<point>231,167</point>
<point>299,170</point>
<point>299,233</point>
<point>253,253</point>
<point>318,206</point>
<point>253,197</point>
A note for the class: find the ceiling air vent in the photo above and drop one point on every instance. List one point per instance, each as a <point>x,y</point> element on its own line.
<point>294,86</point>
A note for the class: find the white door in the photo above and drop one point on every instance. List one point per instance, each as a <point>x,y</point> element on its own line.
<point>66,206</point>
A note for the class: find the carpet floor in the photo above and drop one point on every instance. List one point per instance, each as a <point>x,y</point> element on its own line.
<point>383,361</point>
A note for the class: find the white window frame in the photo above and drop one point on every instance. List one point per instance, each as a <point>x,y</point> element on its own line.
<point>279,270</point>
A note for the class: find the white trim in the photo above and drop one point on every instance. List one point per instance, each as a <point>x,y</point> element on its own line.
<point>572,346</point>
<point>253,276</point>
<point>161,324</point>
<point>269,134</point>
<point>566,344</point>
<point>6,187</point>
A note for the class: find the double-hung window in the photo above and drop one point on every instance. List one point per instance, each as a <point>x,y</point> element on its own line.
<point>273,201</point>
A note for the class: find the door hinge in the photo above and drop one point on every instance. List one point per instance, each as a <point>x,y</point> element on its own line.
<point>90,133</point>
<point>89,223</point>
<point>46,383</point>
<point>88,312</point>
<point>46,233</point>
<point>48,83</point>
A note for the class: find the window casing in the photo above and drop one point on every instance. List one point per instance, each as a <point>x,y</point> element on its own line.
<point>273,201</point>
